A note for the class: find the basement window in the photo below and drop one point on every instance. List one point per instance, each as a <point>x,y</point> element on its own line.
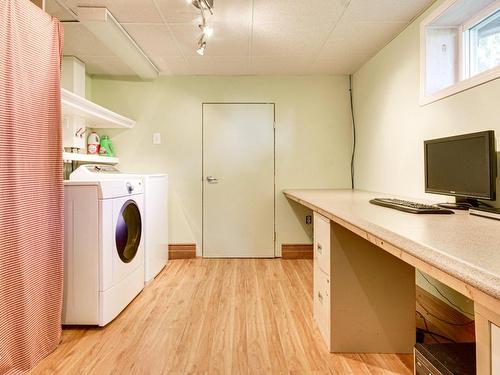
<point>460,48</point>
<point>484,44</point>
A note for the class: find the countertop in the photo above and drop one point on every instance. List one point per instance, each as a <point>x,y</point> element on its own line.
<point>464,246</point>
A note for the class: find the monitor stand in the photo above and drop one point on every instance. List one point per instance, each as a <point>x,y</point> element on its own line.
<point>462,204</point>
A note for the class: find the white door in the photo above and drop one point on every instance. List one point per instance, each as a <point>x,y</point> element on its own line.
<point>238,180</point>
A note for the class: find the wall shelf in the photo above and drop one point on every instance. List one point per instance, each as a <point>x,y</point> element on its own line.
<point>69,157</point>
<point>93,114</point>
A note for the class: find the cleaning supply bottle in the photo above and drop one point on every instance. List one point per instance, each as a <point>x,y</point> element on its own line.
<point>106,148</point>
<point>93,142</point>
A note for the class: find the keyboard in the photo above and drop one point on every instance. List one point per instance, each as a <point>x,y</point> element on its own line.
<point>411,207</point>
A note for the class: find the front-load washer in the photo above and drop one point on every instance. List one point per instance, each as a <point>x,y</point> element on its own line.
<point>155,211</point>
<point>104,249</point>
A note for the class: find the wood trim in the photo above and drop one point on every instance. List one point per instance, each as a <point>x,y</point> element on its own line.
<point>297,251</point>
<point>483,344</point>
<point>181,251</point>
<point>460,286</point>
<point>484,318</point>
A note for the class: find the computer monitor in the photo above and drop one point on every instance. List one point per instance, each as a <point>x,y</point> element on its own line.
<point>462,166</point>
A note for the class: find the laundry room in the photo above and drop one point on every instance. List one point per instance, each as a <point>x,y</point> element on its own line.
<point>249,187</point>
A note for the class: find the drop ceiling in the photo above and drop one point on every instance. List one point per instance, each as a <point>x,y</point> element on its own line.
<point>251,37</point>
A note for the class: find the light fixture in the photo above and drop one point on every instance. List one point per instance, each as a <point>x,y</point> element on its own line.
<point>207,31</point>
<point>204,5</point>
<point>201,47</point>
<point>101,23</point>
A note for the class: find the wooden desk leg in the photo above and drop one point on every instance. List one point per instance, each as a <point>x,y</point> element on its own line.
<point>372,297</point>
<point>484,318</point>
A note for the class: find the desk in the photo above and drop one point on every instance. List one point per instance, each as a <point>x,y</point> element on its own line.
<point>374,253</point>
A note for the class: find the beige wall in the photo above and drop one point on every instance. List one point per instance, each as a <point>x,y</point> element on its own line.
<point>88,86</point>
<point>313,138</point>
<point>391,125</point>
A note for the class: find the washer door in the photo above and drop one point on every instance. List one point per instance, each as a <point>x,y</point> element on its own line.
<point>128,231</point>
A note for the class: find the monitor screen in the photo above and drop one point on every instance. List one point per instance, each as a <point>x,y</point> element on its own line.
<point>463,166</point>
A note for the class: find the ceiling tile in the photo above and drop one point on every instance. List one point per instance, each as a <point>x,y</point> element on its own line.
<point>279,65</point>
<point>178,11</point>
<point>79,41</point>
<point>342,64</point>
<point>281,11</point>
<point>169,65</point>
<point>106,65</point>
<point>143,11</point>
<point>215,65</point>
<point>360,38</point>
<point>229,12</point>
<point>386,10</point>
<point>154,40</point>
<point>273,39</point>
<point>225,41</point>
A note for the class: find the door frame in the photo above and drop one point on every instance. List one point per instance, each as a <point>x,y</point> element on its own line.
<point>203,168</point>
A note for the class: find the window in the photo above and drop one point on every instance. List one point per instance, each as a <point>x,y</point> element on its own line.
<point>460,47</point>
<point>484,44</point>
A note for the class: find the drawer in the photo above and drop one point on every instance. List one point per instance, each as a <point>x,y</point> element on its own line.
<point>321,303</point>
<point>322,242</point>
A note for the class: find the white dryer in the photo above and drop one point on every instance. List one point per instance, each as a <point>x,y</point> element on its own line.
<point>155,211</point>
<point>104,249</point>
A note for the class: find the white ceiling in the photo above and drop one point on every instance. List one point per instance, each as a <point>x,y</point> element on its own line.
<point>261,37</point>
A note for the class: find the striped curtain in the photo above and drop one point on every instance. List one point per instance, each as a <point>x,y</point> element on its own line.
<point>31,186</point>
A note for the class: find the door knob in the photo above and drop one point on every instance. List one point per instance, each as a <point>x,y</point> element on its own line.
<point>212,180</point>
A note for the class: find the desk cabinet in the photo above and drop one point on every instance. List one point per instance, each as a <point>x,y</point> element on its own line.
<point>322,243</point>
<point>364,298</point>
<point>321,304</point>
<point>321,290</point>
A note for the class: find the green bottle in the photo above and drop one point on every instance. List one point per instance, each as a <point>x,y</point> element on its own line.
<point>106,148</point>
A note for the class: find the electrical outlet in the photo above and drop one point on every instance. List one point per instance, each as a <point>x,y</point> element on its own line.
<point>309,219</point>
<point>156,138</point>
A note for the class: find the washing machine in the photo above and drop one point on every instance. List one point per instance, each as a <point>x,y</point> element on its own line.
<point>103,249</point>
<point>155,211</point>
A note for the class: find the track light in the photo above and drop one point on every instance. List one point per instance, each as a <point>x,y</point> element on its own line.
<point>206,30</point>
<point>201,48</point>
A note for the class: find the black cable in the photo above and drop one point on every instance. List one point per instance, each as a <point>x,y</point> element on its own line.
<point>353,132</point>
<point>442,295</point>
<point>427,330</point>
<point>436,334</point>
<point>426,326</point>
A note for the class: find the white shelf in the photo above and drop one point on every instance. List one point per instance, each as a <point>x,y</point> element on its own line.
<point>94,115</point>
<point>69,157</point>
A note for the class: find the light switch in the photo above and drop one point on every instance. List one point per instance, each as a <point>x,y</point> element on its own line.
<point>156,138</point>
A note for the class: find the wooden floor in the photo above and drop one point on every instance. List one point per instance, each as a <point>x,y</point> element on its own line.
<point>205,316</point>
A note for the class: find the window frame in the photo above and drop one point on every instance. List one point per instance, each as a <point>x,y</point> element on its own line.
<point>465,81</point>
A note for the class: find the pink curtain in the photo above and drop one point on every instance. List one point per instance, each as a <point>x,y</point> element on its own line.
<point>31,190</point>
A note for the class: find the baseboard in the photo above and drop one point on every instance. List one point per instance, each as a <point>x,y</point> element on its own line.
<point>181,250</point>
<point>297,251</point>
